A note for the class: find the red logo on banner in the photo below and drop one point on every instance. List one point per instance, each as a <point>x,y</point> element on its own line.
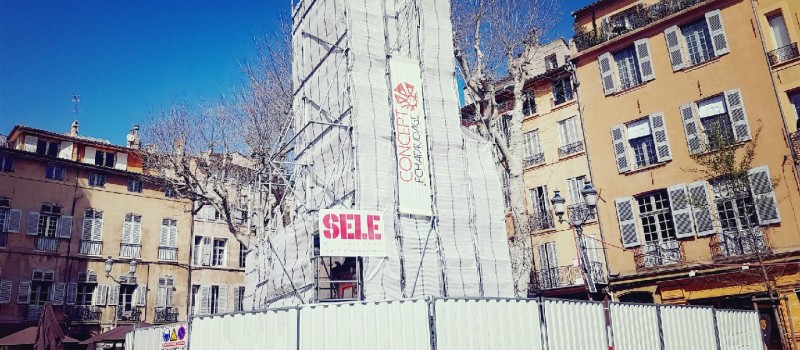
<point>405,95</point>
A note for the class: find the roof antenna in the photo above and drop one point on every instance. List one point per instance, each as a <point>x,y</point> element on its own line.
<point>76,99</point>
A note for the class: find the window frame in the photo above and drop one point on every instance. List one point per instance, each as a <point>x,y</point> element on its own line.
<point>47,222</point>
<point>50,149</point>
<point>6,163</point>
<point>84,293</point>
<point>632,68</point>
<point>219,250</point>
<point>662,234</point>
<point>101,158</point>
<point>52,171</point>
<point>132,185</point>
<point>95,176</point>
<point>559,87</point>
<point>40,289</point>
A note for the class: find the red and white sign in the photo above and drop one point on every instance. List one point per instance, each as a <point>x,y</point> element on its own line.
<point>411,138</point>
<point>351,233</point>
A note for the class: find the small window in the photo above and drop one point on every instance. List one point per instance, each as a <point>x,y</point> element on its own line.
<point>135,185</point>
<point>51,208</point>
<point>656,217</point>
<point>716,122</point>
<point>105,159</point>
<point>242,255</point>
<point>562,90</point>
<point>6,163</point>
<point>640,139</point>
<point>794,98</point>
<point>698,42</point>
<point>170,193</point>
<point>551,62</point>
<point>55,172</point>
<point>47,148</point>
<point>218,254</point>
<point>97,179</point>
<point>213,301</point>
<point>528,104</point>
<point>48,224</point>
<point>627,68</point>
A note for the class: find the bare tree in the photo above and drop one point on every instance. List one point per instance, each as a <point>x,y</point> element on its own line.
<point>217,153</point>
<point>493,38</point>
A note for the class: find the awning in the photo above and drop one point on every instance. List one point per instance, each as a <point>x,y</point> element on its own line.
<point>27,336</point>
<point>116,334</point>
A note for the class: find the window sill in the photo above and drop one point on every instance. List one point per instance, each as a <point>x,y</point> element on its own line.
<point>786,63</point>
<point>630,89</point>
<point>535,166</point>
<point>646,168</point>
<point>564,104</point>
<point>708,62</point>
<point>571,155</point>
<point>531,116</point>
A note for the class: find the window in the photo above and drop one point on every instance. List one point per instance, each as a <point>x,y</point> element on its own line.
<point>197,251</point>
<point>169,233</point>
<point>238,297</point>
<point>48,225</point>
<point>126,294</point>
<point>6,164</point>
<point>532,146</point>
<point>717,129</point>
<point>166,286</point>
<point>734,206</point>
<point>627,68</point>
<point>214,300</point>
<point>47,148</point>
<point>715,122</point>
<point>640,138</point>
<point>40,292</point>
<point>97,179</point>
<point>92,225</point>
<point>55,172</point>
<point>170,193</point>
<point>3,219</point>
<point>794,98</point>
<point>242,255</point>
<point>562,90</point>
<point>698,42</point>
<point>574,187</point>
<point>195,301</point>
<point>505,123</point>
<point>132,229</point>
<point>548,262</point>
<point>135,185</point>
<point>528,104</point>
<point>105,159</point>
<point>656,217</point>
<point>85,293</point>
<point>551,62</point>
<point>780,35</point>
<point>642,142</point>
<point>569,137</point>
<point>218,254</point>
<point>541,219</point>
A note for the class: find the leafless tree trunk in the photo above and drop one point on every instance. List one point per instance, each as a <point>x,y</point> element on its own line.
<point>490,37</point>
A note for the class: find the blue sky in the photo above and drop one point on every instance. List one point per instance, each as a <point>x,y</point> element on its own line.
<point>125,58</point>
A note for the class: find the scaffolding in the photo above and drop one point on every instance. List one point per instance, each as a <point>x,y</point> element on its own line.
<point>343,145</point>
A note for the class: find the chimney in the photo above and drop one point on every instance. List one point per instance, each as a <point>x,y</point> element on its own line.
<point>133,138</point>
<point>74,130</point>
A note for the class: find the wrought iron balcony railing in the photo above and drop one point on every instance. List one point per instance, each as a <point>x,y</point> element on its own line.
<point>570,148</point>
<point>166,314</point>
<point>738,244</point>
<point>658,254</point>
<point>83,313</point>
<point>167,253</point>
<point>795,144</point>
<point>532,160</point>
<point>47,244</point>
<point>783,54</point>
<point>91,247</point>
<point>129,250</point>
<point>132,315</point>
<point>577,211</point>
<point>32,312</point>
<point>542,221</point>
<point>563,276</point>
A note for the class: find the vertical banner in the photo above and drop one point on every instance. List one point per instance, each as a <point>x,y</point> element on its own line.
<point>411,145</point>
<point>351,233</point>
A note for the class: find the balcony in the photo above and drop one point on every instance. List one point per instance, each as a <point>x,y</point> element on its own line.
<point>129,250</point>
<point>91,247</point>
<point>132,315</point>
<point>166,315</point>
<point>3,239</point>
<point>633,19</point>
<point>32,312</point>
<point>794,143</point>
<point>580,211</point>
<point>167,253</point>
<point>533,160</point>
<point>738,244</point>
<point>47,244</point>
<point>81,313</point>
<point>653,255</point>
<point>570,149</point>
<point>563,276</point>
<point>542,221</point>
<point>783,54</point>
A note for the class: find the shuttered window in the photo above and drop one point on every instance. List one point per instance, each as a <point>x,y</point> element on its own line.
<point>626,68</point>
<point>715,122</point>
<point>92,225</point>
<point>132,229</point>
<point>641,143</point>
<point>697,42</point>
<point>169,233</point>
<point>655,216</point>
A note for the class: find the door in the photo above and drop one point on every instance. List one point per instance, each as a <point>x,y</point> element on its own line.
<point>779,32</point>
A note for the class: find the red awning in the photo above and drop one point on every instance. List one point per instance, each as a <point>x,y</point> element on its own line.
<point>116,334</point>
<point>27,336</point>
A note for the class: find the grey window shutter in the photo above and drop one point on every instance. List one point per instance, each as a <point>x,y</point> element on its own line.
<point>72,293</point>
<point>64,227</point>
<point>607,73</point>
<point>628,229</point>
<point>59,291</point>
<point>161,298</point>
<point>97,229</point>
<point>100,295</point>
<point>170,290</point>
<point>693,141</point>
<point>660,137</point>
<point>5,291</point>
<point>737,114</point>
<point>24,292</point>
<point>164,238</point>
<point>620,149</point>
<point>701,208</point>
<point>141,295</point>
<point>681,211</point>
<point>673,37</point>
<point>645,63</point>
<point>136,234</point>
<point>173,235</point>
<point>33,224</point>
<point>206,250</point>
<point>222,303</point>
<point>14,218</point>
<point>205,300</point>
<point>764,196</point>
<point>86,231</point>
<point>717,32</point>
<point>236,299</point>
<point>113,295</point>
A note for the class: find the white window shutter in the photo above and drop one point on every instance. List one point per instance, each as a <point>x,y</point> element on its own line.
<point>127,231</point>
<point>605,61</point>
<point>205,300</point>
<point>141,295</point>
<point>170,290</point>
<point>173,235</point>
<point>620,149</point>
<point>136,234</point>
<point>72,293</point>
<point>59,291</point>
<point>681,208</point>
<point>222,303</point>
<point>97,229</point>
<point>737,115</point>
<point>24,292</point>
<point>65,150</point>
<point>161,297</point>
<point>645,63</point>
<point>236,300</point>
<point>717,32</point>
<point>660,137</point>
<point>629,231</point>
<point>5,291</point>
<point>764,196</point>
<point>14,218</point>
<point>89,154</point>
<point>206,251</point>
<point>690,128</point>
<point>86,231</point>
<point>100,295</point>
<point>701,208</point>
<point>30,143</point>
<point>64,227</point>
<point>113,295</point>
<point>164,238</point>
<point>121,162</point>
<point>673,37</point>
<point>33,224</point>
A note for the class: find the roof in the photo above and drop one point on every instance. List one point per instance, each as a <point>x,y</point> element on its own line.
<point>84,139</point>
<point>27,336</point>
<point>583,11</point>
<point>116,334</point>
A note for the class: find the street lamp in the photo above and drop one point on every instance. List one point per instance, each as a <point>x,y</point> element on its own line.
<point>131,274</point>
<point>577,218</point>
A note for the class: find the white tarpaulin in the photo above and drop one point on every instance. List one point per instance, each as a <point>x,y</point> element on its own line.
<point>411,138</point>
<point>711,106</point>
<point>351,233</point>
<point>639,128</point>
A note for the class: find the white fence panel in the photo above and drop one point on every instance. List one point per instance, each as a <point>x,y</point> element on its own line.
<point>635,327</point>
<point>386,325</point>
<point>687,327</point>
<point>144,338</point>
<point>739,330</point>
<point>266,330</point>
<point>487,324</point>
<point>575,325</point>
